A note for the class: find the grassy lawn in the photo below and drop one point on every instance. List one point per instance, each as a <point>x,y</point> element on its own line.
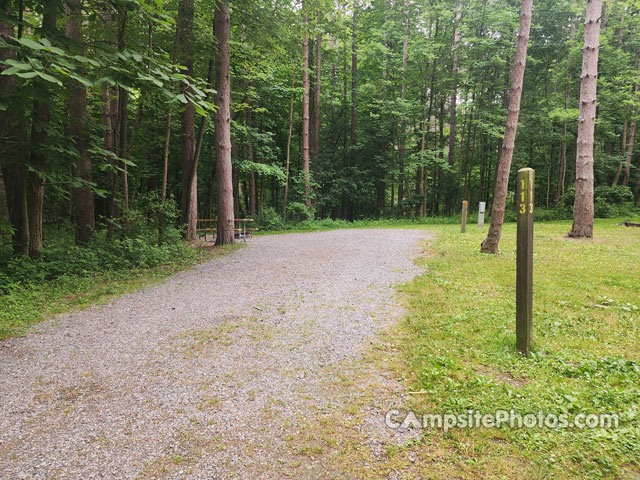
<point>459,341</point>
<point>27,305</point>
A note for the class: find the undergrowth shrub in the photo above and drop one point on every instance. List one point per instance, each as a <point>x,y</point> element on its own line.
<point>139,247</point>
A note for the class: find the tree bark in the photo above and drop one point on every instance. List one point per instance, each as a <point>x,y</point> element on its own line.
<point>305,112</point>
<point>252,174</point>
<point>403,122</point>
<point>189,197</point>
<point>224,177</point>
<point>12,164</point>
<point>583,205</point>
<point>288,158</point>
<point>39,139</point>
<point>85,217</point>
<point>454,90</point>
<point>354,103</point>
<point>316,103</point>
<point>490,244</point>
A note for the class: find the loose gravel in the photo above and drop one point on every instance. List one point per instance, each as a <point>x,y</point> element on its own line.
<point>207,375</point>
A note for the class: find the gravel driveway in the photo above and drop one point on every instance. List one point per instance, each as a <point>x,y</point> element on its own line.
<point>206,375</point>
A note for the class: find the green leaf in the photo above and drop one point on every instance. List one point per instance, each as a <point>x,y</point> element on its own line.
<point>49,78</point>
<point>15,63</point>
<point>12,71</point>
<point>30,44</point>
<point>27,74</point>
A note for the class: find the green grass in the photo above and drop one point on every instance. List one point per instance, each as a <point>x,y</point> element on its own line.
<point>460,351</point>
<point>27,305</point>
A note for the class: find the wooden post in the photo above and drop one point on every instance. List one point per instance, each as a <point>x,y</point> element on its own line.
<point>524,261</point>
<point>481,209</point>
<point>465,212</point>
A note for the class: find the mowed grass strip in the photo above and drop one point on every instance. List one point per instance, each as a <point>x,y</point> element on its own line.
<point>460,347</point>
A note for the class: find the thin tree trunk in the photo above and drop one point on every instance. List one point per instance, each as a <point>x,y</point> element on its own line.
<point>624,148</point>
<point>403,122</point>
<point>583,204</point>
<point>39,140</point>
<point>383,146</point>
<point>305,112</point>
<point>225,230</point>
<point>288,160</point>
<point>316,103</point>
<point>11,136</point>
<point>454,90</point>
<point>354,101</point>
<point>165,157</point>
<point>629,154</point>
<point>632,138</point>
<point>193,173</point>
<point>252,174</point>
<point>85,219</point>
<point>189,198</point>
<point>490,244</point>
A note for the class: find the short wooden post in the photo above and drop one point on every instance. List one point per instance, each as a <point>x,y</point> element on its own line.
<point>481,209</point>
<point>465,212</point>
<point>524,261</point>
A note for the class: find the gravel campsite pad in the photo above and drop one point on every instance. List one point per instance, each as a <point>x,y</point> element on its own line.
<point>205,375</point>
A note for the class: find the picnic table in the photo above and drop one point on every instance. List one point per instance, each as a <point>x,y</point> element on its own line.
<point>205,226</point>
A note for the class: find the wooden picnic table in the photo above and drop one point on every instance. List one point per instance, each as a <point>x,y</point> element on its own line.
<point>207,225</point>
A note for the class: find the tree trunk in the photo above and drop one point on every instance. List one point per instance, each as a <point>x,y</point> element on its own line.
<point>316,103</point>
<point>629,154</point>
<point>288,160</point>
<point>39,139</point>
<point>252,174</point>
<point>189,197</point>
<point>85,219</point>
<point>225,229</point>
<point>305,112</point>
<point>11,136</point>
<point>583,205</point>
<point>354,103</point>
<point>403,122</point>
<point>454,90</point>
<point>490,244</point>
<point>624,148</point>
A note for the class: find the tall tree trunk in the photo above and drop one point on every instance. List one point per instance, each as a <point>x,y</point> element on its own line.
<point>192,184</point>
<point>252,174</point>
<point>383,147</point>
<point>490,244</point>
<point>85,219</point>
<point>189,198</point>
<point>39,139</point>
<point>632,137</point>
<point>454,90</point>
<point>629,154</point>
<point>403,122</point>
<point>123,126</point>
<point>11,155</point>
<point>225,230</point>
<point>452,187</point>
<point>316,103</point>
<point>616,178</point>
<point>305,112</point>
<point>354,102</point>
<point>562,171</point>
<point>288,159</point>
<point>583,204</point>
<point>110,122</point>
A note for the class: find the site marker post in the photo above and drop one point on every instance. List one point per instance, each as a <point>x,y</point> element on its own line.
<point>524,261</point>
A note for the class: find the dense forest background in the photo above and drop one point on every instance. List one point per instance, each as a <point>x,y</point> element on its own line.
<point>339,109</point>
